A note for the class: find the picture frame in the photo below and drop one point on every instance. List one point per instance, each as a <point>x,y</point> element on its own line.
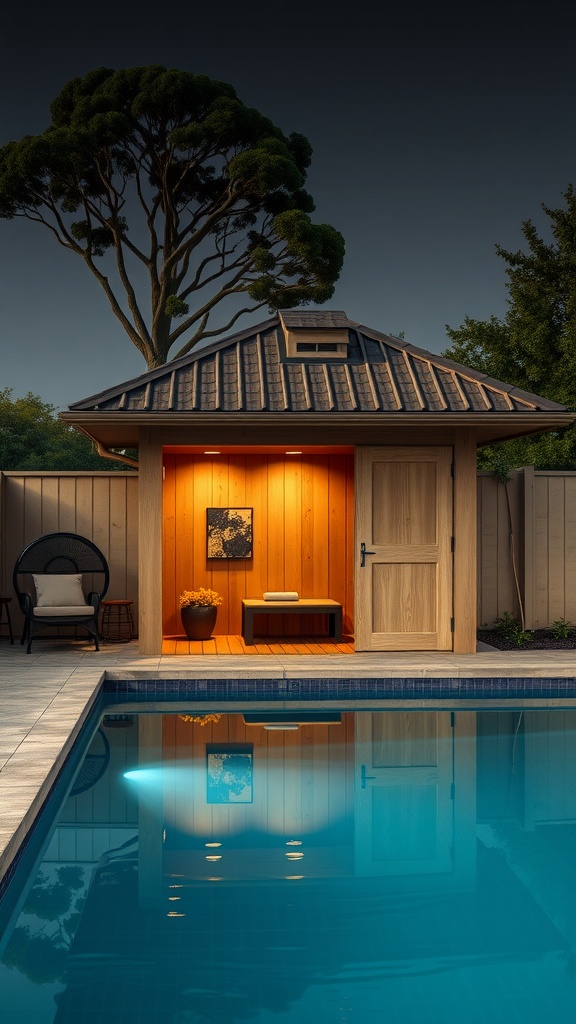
<point>229,773</point>
<point>229,532</point>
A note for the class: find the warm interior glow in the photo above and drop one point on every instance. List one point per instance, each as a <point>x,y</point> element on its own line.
<point>258,449</point>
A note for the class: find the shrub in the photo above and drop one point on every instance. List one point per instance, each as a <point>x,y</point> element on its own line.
<point>562,629</point>
<point>511,630</point>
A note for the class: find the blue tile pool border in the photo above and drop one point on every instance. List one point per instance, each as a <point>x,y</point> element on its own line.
<point>341,689</point>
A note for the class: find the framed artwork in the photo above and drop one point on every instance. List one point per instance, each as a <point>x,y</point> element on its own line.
<point>229,532</point>
<point>229,774</point>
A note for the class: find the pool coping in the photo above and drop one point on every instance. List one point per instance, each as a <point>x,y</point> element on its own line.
<point>46,698</point>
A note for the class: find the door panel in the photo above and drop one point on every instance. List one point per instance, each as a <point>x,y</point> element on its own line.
<point>404,521</point>
<point>404,820</point>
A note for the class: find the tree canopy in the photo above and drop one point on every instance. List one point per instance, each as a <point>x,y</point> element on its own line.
<point>183,203</point>
<point>534,345</point>
<point>33,438</point>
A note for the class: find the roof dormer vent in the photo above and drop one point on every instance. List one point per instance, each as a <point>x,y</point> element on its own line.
<point>315,334</point>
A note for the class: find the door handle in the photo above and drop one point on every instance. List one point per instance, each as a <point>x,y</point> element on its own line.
<point>363,554</point>
<point>363,777</point>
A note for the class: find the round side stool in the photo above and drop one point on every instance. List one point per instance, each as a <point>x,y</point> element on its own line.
<point>117,625</point>
<point>4,602</point>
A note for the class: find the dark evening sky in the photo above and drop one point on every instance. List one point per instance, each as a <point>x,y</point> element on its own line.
<point>435,134</point>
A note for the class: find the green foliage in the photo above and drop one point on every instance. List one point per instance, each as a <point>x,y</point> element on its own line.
<point>507,627</point>
<point>175,307</point>
<point>51,900</point>
<point>32,438</point>
<point>171,173</point>
<point>562,629</point>
<point>37,956</point>
<point>534,346</point>
<point>40,954</point>
<point>553,451</point>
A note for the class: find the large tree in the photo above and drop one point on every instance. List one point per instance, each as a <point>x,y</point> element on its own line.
<point>534,344</point>
<point>181,201</point>
<point>33,438</point>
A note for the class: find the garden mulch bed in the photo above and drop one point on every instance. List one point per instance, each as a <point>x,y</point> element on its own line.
<point>542,640</point>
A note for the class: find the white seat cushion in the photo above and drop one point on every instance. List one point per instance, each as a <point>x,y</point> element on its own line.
<point>64,610</point>
<point>56,590</point>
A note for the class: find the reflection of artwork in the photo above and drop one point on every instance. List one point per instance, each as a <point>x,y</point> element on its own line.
<point>229,532</point>
<point>229,774</point>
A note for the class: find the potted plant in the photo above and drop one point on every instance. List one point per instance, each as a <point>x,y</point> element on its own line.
<point>198,611</point>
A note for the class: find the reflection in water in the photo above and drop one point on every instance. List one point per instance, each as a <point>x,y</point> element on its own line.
<point>398,866</point>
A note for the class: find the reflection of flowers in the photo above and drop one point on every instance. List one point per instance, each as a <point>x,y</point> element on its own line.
<point>200,719</point>
<point>204,597</point>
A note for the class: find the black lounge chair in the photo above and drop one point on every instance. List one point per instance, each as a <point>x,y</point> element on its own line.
<point>48,580</point>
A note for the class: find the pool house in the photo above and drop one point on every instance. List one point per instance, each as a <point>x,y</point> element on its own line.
<point>342,463</point>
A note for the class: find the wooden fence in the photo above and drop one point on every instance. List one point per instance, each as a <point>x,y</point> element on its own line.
<point>527,547</point>
<point>101,506</point>
<point>526,535</point>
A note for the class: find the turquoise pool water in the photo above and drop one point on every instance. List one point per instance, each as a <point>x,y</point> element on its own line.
<point>407,867</point>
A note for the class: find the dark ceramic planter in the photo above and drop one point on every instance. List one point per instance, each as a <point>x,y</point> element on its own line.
<point>199,620</point>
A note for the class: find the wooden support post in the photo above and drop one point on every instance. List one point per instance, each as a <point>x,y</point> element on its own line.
<point>465,552</point>
<point>150,543</point>
<point>150,813</point>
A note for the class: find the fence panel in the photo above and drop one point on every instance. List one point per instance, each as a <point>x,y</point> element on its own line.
<point>500,546</point>
<point>100,506</point>
<point>553,548</point>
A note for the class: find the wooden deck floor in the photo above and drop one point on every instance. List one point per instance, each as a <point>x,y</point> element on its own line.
<point>272,645</point>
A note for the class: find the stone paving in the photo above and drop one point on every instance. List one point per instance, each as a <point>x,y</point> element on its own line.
<point>45,697</point>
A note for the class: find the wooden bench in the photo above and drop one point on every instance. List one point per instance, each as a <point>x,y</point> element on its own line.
<point>252,606</point>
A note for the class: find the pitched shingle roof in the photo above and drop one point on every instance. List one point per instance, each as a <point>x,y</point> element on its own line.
<point>251,372</point>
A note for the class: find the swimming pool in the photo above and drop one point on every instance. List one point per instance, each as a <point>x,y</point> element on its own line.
<point>303,866</point>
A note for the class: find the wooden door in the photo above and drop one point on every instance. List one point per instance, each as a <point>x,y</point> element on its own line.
<point>403,557</point>
<point>404,790</point>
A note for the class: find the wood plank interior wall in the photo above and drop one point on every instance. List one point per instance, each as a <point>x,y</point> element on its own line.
<point>303,780</point>
<point>100,506</point>
<point>303,534</point>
